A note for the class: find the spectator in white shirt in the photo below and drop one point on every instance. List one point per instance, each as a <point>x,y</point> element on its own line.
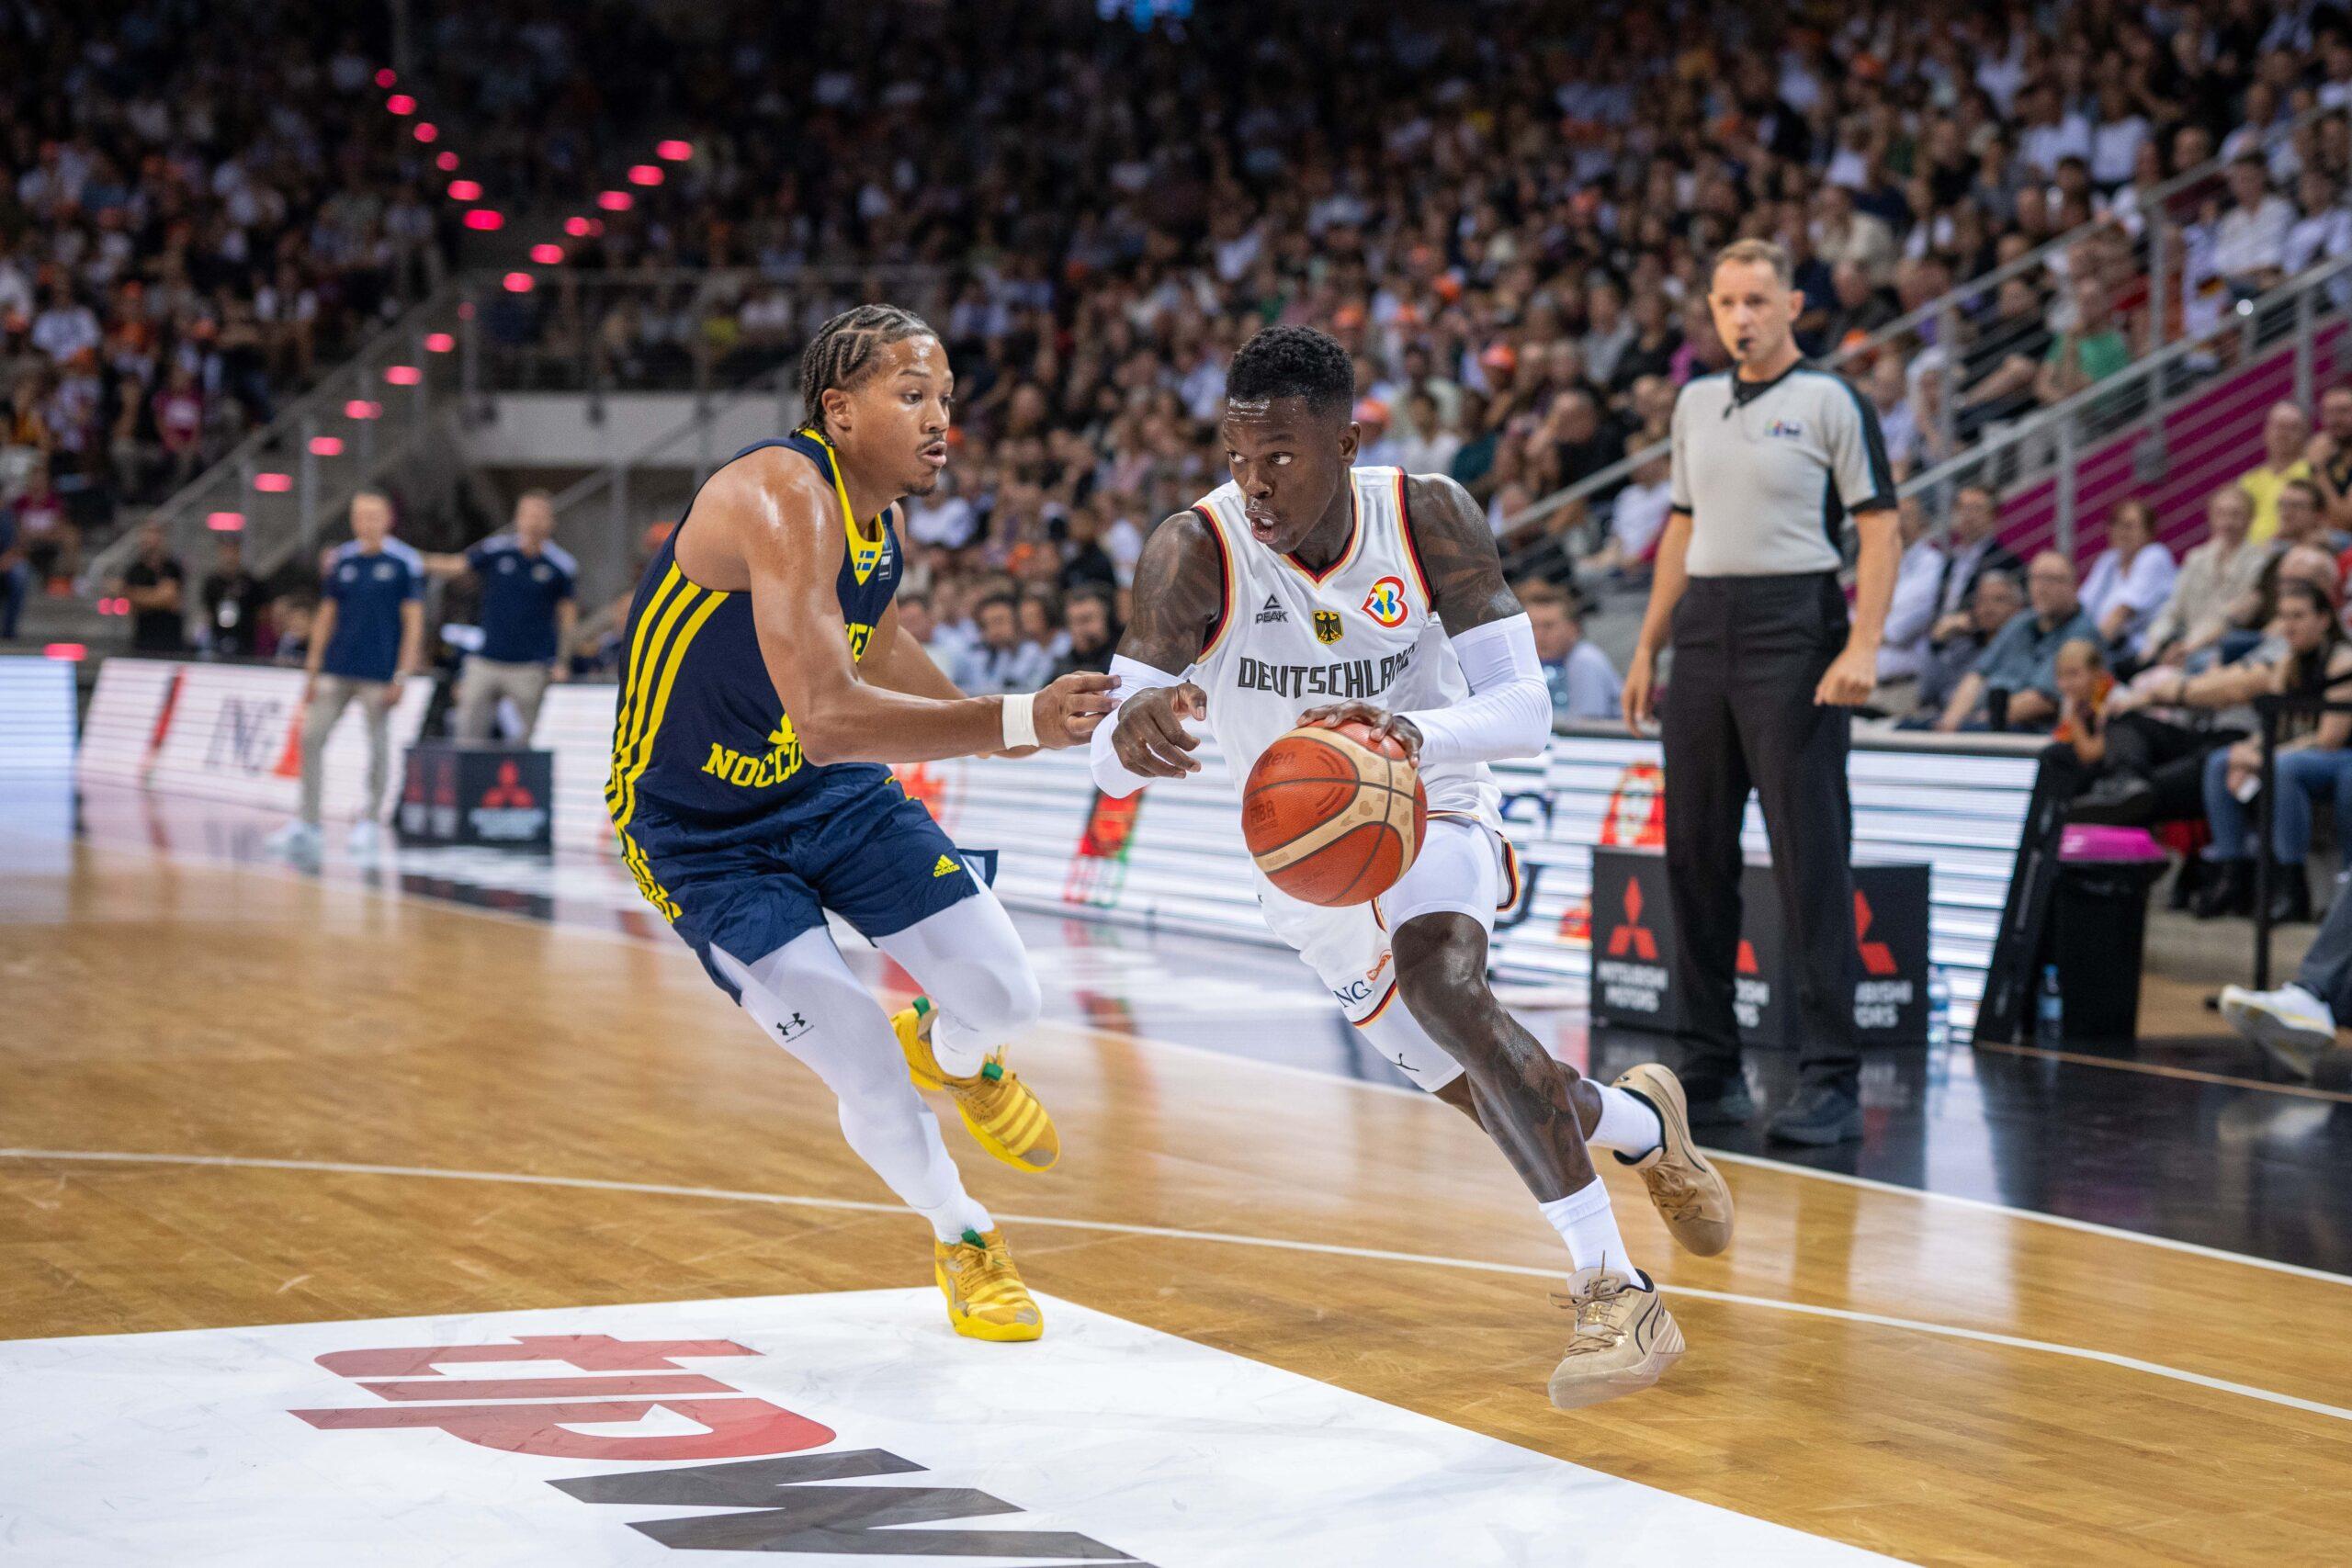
<point>1638,515</point>
<point>1583,682</point>
<point>1911,615</point>
<point>2051,132</point>
<point>1001,661</point>
<point>2117,139</point>
<point>1898,421</point>
<point>2250,239</point>
<point>65,328</point>
<point>2323,226</point>
<point>2132,579</point>
<point>1428,445</point>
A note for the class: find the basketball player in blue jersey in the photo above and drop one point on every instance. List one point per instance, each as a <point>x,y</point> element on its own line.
<point>766,684</point>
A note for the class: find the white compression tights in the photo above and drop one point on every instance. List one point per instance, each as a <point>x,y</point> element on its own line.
<point>970,961</point>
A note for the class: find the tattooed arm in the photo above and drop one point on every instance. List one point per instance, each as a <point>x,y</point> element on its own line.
<point>1179,590</point>
<point>1509,712</point>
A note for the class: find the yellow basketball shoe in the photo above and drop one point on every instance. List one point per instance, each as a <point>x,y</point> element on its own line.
<point>986,1299</point>
<point>996,1106</point>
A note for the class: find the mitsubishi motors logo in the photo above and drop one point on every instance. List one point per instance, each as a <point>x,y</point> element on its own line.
<point>1632,936</point>
<point>1877,957</point>
<point>510,790</point>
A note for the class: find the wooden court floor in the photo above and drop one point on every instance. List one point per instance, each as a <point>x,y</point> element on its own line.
<point>293,1085</point>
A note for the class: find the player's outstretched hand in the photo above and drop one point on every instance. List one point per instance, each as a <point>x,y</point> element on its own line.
<point>1069,709</point>
<point>1394,726</point>
<point>1152,741</point>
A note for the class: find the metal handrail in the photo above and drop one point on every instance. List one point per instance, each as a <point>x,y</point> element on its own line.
<point>230,477</point>
<point>1950,304</point>
<point>2053,429</point>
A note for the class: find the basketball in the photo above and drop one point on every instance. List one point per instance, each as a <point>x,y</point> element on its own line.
<point>1334,815</point>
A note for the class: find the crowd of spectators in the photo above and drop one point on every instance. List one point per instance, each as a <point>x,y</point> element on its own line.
<point>1503,213</point>
<point>2147,664</point>
<point>190,226</point>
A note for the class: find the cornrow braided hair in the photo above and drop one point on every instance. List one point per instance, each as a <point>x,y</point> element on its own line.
<point>841,354</point>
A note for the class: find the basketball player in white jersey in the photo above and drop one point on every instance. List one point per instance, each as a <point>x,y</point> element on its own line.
<point>1309,589</point>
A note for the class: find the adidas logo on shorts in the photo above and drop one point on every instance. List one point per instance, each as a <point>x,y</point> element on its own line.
<point>946,867</point>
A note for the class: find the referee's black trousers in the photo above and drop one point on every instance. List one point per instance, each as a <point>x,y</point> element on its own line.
<point>1737,715</point>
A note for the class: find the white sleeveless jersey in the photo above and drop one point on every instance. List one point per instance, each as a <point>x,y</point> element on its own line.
<point>1290,638</point>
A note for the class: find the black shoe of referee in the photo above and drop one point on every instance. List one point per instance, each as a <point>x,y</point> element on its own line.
<point>1821,1114</point>
<point>1718,1102</point>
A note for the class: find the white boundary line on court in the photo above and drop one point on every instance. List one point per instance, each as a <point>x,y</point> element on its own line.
<point>1982,1205</point>
<point>1333,1250</point>
<point>283,872</point>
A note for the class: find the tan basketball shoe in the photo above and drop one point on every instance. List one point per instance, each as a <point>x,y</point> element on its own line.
<point>1624,1341</point>
<point>1691,1193</point>
<point>986,1299</point>
<point>996,1107</point>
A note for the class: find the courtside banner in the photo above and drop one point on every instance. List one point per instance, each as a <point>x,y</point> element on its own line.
<point>229,732</point>
<point>36,716</point>
<point>1173,858</point>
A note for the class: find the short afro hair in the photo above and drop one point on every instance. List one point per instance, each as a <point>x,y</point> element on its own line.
<point>1293,362</point>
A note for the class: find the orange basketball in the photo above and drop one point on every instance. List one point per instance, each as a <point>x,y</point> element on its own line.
<point>1334,815</point>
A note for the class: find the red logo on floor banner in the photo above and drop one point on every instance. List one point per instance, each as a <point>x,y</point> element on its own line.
<point>1633,935</point>
<point>509,790</point>
<point>1877,957</point>
<point>734,1426</point>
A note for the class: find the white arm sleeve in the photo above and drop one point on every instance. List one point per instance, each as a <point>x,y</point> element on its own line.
<point>1509,712</point>
<point>1136,678</point>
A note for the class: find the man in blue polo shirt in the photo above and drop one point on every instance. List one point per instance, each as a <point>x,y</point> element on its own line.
<point>528,615</point>
<point>367,636</point>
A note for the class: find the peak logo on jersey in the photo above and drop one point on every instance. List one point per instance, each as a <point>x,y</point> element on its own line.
<point>1328,627</point>
<point>1275,611</point>
<point>1386,603</point>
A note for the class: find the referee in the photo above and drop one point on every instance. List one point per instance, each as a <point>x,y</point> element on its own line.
<point>1770,459</point>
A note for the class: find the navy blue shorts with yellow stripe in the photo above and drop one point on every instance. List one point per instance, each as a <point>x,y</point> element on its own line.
<point>855,845</point>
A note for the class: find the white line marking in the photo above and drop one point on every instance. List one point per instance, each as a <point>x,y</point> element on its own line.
<point>1982,1205</point>
<point>1333,1250</point>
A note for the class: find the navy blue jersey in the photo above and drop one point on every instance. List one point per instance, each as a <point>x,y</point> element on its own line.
<point>701,738</point>
<point>368,591</point>
<point>519,594</point>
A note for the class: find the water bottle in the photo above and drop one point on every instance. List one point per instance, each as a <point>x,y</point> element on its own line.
<point>1939,1007</point>
<point>2049,1010</point>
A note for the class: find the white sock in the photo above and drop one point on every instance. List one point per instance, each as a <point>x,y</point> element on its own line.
<point>958,1048</point>
<point>950,1220</point>
<point>1589,1225</point>
<point>1628,1126</point>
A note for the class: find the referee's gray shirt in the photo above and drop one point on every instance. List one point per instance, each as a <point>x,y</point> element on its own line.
<point>1770,471</point>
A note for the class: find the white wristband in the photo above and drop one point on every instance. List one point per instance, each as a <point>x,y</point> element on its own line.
<point>1020,719</point>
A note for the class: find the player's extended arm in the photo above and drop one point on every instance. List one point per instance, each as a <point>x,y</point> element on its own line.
<point>1508,711</point>
<point>789,536</point>
<point>1178,586</point>
<point>896,660</point>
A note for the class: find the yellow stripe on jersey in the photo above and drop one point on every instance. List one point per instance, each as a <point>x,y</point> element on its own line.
<point>671,664</point>
<point>629,743</point>
<point>864,554</point>
<point>634,677</point>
